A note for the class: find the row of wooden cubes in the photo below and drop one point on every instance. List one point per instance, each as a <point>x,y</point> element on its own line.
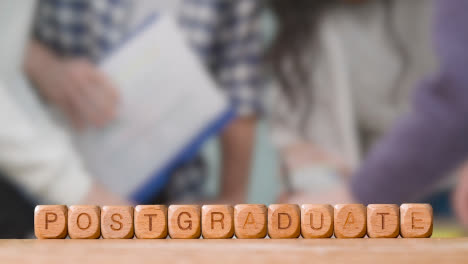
<point>225,221</point>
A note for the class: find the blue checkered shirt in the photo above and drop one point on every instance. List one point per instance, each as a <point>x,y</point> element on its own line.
<point>224,33</point>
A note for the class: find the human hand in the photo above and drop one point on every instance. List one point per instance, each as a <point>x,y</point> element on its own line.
<point>75,86</point>
<point>460,198</point>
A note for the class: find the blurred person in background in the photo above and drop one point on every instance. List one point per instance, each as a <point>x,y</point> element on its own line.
<point>346,70</point>
<point>72,36</point>
<point>38,165</point>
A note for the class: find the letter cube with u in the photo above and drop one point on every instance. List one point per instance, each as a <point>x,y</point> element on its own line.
<point>316,220</point>
<point>184,221</point>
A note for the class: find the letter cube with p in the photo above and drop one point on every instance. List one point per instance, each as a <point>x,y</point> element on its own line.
<point>50,221</point>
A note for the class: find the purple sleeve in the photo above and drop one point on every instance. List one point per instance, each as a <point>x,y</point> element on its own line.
<point>432,140</point>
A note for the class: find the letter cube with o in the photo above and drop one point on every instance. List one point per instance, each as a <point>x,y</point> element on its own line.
<point>84,221</point>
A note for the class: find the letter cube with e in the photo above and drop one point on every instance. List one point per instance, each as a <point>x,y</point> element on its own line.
<point>350,220</point>
<point>117,222</point>
<point>184,221</point>
<point>383,220</point>
<point>84,221</point>
<point>217,221</point>
<point>151,221</point>
<point>284,221</point>
<point>416,220</point>
<point>250,220</point>
<point>50,221</point>
<point>316,220</point>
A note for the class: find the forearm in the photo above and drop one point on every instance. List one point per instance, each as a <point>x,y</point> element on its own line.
<point>432,140</point>
<point>237,144</point>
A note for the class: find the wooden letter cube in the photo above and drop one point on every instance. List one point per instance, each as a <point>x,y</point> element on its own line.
<point>117,222</point>
<point>50,221</point>
<point>150,221</point>
<point>383,220</point>
<point>84,221</point>
<point>284,221</point>
<point>250,220</point>
<point>217,221</point>
<point>350,220</point>
<point>184,221</point>
<point>416,220</point>
<point>316,220</point>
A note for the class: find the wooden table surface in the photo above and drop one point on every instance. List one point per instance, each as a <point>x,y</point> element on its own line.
<point>237,251</point>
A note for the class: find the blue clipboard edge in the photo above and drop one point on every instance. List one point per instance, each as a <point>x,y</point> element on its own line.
<point>156,183</point>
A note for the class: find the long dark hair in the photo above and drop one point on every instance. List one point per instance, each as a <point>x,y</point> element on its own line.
<point>297,25</point>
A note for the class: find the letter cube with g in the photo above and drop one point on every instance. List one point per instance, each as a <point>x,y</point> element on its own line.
<point>184,221</point>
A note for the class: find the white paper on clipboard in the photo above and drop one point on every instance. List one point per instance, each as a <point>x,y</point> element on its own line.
<point>169,105</point>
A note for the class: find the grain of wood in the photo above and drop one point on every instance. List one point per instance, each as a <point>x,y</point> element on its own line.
<point>184,221</point>
<point>117,222</point>
<point>217,221</point>
<point>350,220</point>
<point>84,222</point>
<point>416,220</point>
<point>150,221</point>
<point>383,220</point>
<point>250,220</point>
<point>284,221</point>
<point>227,251</point>
<point>316,220</point>
<point>50,221</point>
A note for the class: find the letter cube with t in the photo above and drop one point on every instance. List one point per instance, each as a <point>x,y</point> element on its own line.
<point>350,220</point>
<point>184,221</point>
<point>50,221</point>
<point>117,222</point>
<point>284,221</point>
<point>150,221</point>
<point>383,220</point>
<point>416,220</point>
<point>217,221</point>
<point>84,221</point>
<point>250,220</point>
<point>316,220</point>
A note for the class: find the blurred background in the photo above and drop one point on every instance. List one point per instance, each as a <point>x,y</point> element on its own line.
<point>219,101</point>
